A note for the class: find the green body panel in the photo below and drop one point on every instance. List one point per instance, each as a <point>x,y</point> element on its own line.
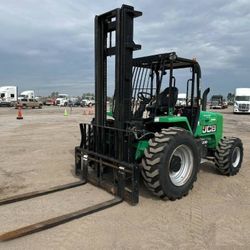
<point>210,127</point>
<point>177,121</point>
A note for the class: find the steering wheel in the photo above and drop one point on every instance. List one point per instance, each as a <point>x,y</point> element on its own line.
<point>144,96</point>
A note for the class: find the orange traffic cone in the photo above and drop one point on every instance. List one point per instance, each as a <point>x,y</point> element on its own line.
<point>19,114</point>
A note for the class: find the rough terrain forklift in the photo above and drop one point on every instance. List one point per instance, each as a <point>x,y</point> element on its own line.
<point>146,133</point>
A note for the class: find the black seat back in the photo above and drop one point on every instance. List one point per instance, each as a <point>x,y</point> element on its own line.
<point>163,101</point>
<point>164,97</point>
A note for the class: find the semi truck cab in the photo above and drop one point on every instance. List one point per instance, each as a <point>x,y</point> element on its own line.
<point>242,100</point>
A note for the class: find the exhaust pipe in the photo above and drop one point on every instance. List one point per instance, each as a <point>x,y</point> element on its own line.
<point>204,99</point>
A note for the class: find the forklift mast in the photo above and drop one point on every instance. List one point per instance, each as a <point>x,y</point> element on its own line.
<point>116,27</point>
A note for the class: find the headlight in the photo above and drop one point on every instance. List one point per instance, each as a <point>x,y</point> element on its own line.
<point>236,104</point>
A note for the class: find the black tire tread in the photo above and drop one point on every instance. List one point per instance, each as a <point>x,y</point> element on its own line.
<point>152,156</point>
<point>223,156</point>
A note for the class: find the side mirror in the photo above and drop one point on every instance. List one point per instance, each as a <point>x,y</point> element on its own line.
<point>204,99</point>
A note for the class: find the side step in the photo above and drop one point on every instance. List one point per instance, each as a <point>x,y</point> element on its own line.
<point>43,225</point>
<point>34,194</point>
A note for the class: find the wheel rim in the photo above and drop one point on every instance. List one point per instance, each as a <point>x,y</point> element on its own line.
<point>236,157</point>
<point>181,165</point>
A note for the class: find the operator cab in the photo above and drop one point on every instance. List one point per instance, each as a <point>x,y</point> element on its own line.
<point>155,92</point>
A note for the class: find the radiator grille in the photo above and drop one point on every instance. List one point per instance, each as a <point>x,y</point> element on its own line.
<point>243,107</point>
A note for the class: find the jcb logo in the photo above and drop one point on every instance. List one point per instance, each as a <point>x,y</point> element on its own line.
<point>209,129</point>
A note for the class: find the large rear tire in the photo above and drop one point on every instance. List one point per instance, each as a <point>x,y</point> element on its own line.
<point>171,163</point>
<point>229,155</point>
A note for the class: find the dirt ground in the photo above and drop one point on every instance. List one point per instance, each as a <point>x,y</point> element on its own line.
<point>38,152</point>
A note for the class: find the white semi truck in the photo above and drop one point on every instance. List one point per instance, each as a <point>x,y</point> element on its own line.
<point>242,100</point>
<point>8,95</point>
<point>27,94</point>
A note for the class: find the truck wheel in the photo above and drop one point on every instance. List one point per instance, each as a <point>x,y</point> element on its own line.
<point>170,164</point>
<point>229,155</point>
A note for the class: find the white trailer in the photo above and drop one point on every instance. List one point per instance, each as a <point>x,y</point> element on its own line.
<point>27,94</point>
<point>8,95</point>
<point>242,100</point>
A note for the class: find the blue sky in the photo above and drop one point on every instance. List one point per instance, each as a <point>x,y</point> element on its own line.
<point>49,45</point>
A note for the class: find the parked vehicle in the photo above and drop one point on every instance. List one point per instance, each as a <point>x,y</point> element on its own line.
<point>27,94</point>
<point>77,103</point>
<point>242,100</point>
<point>8,95</point>
<point>50,102</point>
<point>217,102</point>
<point>62,100</point>
<point>225,104</point>
<point>88,101</point>
<point>181,100</point>
<point>74,102</point>
<point>29,103</point>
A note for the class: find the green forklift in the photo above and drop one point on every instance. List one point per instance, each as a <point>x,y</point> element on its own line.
<point>145,133</point>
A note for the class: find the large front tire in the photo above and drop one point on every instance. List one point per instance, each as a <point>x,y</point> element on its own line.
<point>229,155</point>
<point>171,163</point>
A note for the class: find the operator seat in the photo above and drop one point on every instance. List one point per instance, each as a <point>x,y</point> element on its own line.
<point>163,101</point>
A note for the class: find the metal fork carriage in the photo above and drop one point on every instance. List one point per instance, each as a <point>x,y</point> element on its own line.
<point>106,158</point>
